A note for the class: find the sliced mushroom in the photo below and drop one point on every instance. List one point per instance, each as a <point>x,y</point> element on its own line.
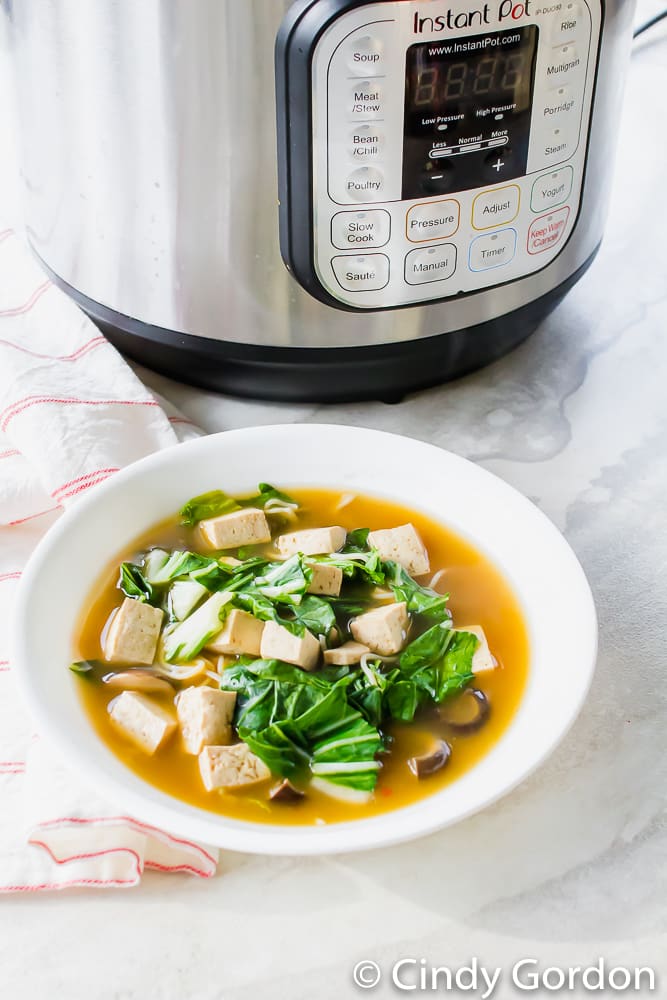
<point>286,792</point>
<point>428,763</point>
<point>147,681</point>
<point>476,709</point>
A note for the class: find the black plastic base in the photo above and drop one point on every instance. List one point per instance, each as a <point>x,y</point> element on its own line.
<point>322,375</point>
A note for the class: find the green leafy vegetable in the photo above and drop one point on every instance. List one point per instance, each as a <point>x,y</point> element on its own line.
<point>420,600</point>
<point>90,669</point>
<point>314,614</point>
<point>439,662</point>
<point>212,504</point>
<point>183,641</point>
<point>266,493</point>
<point>133,583</point>
<point>184,596</point>
<point>286,581</point>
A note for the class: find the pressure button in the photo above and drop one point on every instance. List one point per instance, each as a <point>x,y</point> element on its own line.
<point>368,273</point>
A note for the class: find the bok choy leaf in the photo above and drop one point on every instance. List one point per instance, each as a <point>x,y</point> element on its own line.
<point>183,641</point>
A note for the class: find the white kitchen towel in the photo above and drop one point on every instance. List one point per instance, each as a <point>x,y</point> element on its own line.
<point>71,414</point>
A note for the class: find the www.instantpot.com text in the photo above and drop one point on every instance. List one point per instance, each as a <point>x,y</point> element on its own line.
<point>527,975</point>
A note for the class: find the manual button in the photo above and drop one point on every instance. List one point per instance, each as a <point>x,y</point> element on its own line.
<point>496,208</point>
<point>432,264</point>
<point>360,230</point>
<point>362,274</point>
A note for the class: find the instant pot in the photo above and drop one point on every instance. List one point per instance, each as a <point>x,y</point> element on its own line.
<point>329,199</point>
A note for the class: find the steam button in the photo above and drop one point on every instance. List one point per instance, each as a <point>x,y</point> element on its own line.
<point>366,56</point>
<point>369,273</point>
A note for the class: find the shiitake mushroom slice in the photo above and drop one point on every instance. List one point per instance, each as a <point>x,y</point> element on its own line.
<point>434,760</point>
<point>286,792</point>
<point>147,681</point>
<point>475,702</point>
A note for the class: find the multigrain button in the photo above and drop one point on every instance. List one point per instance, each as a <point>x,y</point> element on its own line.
<point>551,189</point>
<point>433,220</point>
<point>430,264</point>
<point>366,142</point>
<point>496,208</point>
<point>360,230</point>
<point>369,273</point>
<point>366,101</point>
<point>494,250</point>
<point>564,64</point>
<point>365,56</point>
<point>547,231</point>
<point>365,184</point>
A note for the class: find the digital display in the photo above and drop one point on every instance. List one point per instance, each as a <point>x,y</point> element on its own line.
<point>468,100</point>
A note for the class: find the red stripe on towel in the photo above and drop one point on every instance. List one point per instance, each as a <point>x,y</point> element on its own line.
<point>83,479</point>
<point>9,576</point>
<point>27,306</point>
<point>10,453</point>
<point>20,405</point>
<point>31,517</point>
<point>84,349</point>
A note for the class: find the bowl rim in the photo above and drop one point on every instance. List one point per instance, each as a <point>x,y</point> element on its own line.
<point>151,805</point>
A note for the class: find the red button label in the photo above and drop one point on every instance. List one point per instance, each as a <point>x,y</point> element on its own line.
<point>547,231</point>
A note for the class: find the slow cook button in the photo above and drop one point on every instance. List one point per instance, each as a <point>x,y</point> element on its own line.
<point>547,231</point>
<point>433,220</point>
<point>366,142</point>
<point>362,274</point>
<point>496,208</point>
<point>365,101</point>
<point>494,250</point>
<point>564,64</point>
<point>360,230</point>
<point>365,184</point>
<point>432,264</point>
<point>552,189</point>
<point>365,56</point>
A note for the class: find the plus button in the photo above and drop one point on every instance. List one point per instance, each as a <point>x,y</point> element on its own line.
<point>499,164</point>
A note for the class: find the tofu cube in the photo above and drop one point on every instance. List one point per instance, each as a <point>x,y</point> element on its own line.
<point>242,527</point>
<point>346,655</point>
<point>402,545</point>
<point>205,715</point>
<point>312,541</point>
<point>242,633</point>
<point>142,720</point>
<point>133,634</point>
<point>278,643</point>
<point>326,580</point>
<point>483,659</point>
<point>230,767</point>
<point>383,630</point>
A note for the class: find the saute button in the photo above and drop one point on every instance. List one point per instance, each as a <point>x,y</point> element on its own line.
<point>365,101</point>
<point>552,189</point>
<point>430,264</point>
<point>494,250</point>
<point>547,231</point>
<point>496,208</point>
<point>362,274</point>
<point>365,184</point>
<point>366,142</point>
<point>434,220</point>
<point>359,230</point>
<point>366,56</point>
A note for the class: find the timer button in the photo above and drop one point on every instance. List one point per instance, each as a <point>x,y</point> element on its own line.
<point>366,101</point>
<point>366,56</point>
<point>359,230</point>
<point>369,273</point>
<point>432,264</point>
<point>366,142</point>
<point>495,250</point>
<point>365,184</point>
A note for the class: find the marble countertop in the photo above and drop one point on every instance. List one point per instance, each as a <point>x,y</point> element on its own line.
<point>571,866</point>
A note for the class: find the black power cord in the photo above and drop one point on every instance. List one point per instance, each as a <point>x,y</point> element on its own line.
<point>649,24</point>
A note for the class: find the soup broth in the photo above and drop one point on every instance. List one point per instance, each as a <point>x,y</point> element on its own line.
<point>478,595</point>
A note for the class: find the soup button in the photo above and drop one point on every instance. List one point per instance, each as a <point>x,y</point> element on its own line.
<point>369,273</point>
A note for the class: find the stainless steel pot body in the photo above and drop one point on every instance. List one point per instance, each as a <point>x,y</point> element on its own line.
<point>149,166</point>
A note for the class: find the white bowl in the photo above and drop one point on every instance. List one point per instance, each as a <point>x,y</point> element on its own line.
<point>514,534</point>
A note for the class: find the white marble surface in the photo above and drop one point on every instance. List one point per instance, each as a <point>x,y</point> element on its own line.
<point>571,866</point>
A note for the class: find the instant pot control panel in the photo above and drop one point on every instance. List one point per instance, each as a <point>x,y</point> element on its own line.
<point>431,149</point>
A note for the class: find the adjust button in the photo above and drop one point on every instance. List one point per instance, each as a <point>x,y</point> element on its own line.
<point>365,184</point>
<point>362,274</point>
<point>366,56</point>
<point>496,208</point>
<point>430,264</point>
<point>433,220</point>
<point>360,230</point>
<point>365,101</point>
<point>547,231</point>
<point>552,189</point>
<point>494,250</point>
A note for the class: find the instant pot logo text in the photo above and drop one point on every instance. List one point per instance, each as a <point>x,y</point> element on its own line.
<point>507,12</point>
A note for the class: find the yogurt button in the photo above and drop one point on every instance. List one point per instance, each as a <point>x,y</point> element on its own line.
<point>552,189</point>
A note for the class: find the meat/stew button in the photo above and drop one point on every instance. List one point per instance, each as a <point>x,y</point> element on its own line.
<point>547,231</point>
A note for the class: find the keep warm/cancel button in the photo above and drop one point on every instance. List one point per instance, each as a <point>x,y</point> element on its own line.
<point>547,231</point>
